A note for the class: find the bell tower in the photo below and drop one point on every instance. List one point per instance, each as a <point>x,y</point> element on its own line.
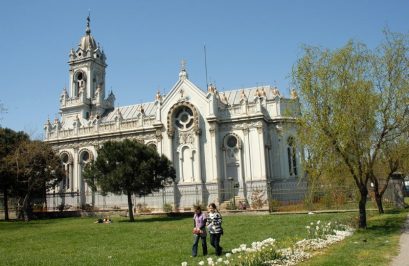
<point>85,98</point>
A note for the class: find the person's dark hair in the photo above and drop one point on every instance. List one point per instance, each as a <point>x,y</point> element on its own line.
<point>213,206</point>
<point>197,208</point>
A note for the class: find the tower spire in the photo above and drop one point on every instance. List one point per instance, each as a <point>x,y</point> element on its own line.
<point>183,72</point>
<point>88,30</point>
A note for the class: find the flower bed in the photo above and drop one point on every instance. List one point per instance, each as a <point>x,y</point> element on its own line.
<point>266,252</point>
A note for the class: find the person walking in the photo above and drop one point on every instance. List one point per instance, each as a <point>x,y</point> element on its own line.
<point>199,231</point>
<point>214,225</point>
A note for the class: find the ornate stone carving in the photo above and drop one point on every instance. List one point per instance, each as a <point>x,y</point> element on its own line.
<point>294,94</point>
<point>212,130</point>
<point>276,92</point>
<point>158,135</point>
<point>245,130</point>
<point>185,138</point>
<point>171,118</point>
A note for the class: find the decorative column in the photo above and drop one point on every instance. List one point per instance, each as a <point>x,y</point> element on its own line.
<point>262,161</point>
<point>213,152</point>
<point>247,159</point>
<point>197,164</point>
<point>279,150</point>
<point>159,138</point>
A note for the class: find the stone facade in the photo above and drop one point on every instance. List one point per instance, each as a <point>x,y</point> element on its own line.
<point>222,144</point>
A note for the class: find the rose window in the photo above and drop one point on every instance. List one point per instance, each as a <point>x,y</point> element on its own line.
<point>184,118</point>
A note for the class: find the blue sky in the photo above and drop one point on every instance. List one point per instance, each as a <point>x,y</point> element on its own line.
<point>248,43</point>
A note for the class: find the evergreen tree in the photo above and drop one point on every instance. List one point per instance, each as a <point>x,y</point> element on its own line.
<point>128,167</point>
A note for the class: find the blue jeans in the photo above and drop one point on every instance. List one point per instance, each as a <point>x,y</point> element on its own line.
<point>196,242</point>
<point>215,242</point>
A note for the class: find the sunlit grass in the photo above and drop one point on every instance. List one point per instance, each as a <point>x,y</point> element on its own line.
<point>376,245</point>
<point>167,241</point>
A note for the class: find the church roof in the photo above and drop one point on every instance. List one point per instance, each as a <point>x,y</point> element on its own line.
<point>131,111</point>
<point>234,96</point>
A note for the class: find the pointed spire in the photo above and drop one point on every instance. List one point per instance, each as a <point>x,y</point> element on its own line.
<point>88,30</point>
<point>294,94</point>
<point>183,73</point>
<point>243,95</point>
<point>158,96</point>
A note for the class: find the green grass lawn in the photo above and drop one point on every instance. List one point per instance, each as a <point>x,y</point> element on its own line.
<point>167,241</point>
<point>376,245</point>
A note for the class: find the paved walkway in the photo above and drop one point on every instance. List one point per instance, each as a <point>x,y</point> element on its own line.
<point>403,258</point>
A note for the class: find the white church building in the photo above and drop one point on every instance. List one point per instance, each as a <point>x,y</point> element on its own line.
<point>225,146</point>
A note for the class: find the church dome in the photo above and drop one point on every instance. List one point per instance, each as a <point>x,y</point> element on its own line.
<point>87,41</point>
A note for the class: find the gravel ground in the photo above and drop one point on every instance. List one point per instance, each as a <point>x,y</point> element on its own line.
<point>403,258</point>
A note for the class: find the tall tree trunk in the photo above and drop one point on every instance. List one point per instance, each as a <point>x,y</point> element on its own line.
<point>362,207</point>
<point>131,218</point>
<point>20,213</point>
<point>378,195</point>
<point>378,200</point>
<point>6,204</point>
<point>26,208</point>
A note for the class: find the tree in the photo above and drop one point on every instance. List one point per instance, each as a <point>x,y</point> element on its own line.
<point>355,112</point>
<point>2,110</point>
<point>36,168</point>
<point>128,167</point>
<point>9,140</point>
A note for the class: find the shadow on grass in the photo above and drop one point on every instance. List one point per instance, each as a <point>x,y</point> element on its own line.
<point>385,224</point>
<point>149,219</point>
<point>393,211</point>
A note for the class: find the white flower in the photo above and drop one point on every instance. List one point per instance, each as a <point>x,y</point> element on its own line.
<point>228,255</point>
<point>201,262</point>
<point>226,262</point>
<point>184,263</point>
<point>219,260</point>
<point>318,222</point>
<point>210,261</point>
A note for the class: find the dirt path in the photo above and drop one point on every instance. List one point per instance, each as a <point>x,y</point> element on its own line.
<point>403,258</point>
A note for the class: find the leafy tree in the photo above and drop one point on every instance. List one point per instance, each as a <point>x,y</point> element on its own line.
<point>9,140</point>
<point>356,112</point>
<point>2,110</point>
<point>128,167</point>
<point>36,168</point>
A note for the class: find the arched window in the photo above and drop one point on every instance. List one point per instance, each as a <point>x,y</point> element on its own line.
<point>66,160</point>
<point>79,82</point>
<point>292,156</point>
<point>232,147</point>
<point>85,156</point>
